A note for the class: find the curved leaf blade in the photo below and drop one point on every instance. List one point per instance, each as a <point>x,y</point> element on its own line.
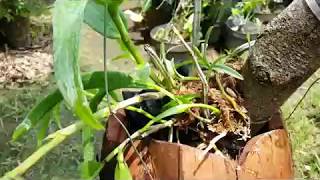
<point>221,68</point>
<point>122,171</point>
<point>67,21</point>
<point>93,80</point>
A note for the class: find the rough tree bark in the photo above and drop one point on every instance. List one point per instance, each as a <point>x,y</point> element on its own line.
<point>284,56</point>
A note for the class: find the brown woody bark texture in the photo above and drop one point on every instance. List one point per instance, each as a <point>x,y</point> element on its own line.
<point>284,56</point>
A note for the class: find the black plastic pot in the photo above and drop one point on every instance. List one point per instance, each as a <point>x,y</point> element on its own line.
<point>137,120</point>
<point>233,39</point>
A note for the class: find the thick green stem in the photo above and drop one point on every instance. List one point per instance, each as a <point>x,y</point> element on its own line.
<point>115,15</point>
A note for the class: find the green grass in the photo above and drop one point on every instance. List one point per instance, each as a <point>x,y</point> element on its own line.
<point>62,163</point>
<point>304,130</point>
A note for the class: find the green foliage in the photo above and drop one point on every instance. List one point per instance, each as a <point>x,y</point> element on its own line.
<point>90,169</point>
<point>94,17</point>
<point>122,171</point>
<point>222,68</point>
<point>36,114</point>
<point>94,80</point>
<point>245,8</point>
<point>67,20</point>
<point>9,9</point>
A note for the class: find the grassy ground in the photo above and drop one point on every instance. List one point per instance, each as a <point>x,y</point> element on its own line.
<point>304,130</point>
<point>14,104</point>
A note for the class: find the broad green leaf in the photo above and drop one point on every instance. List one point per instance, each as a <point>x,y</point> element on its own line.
<point>221,68</point>
<point>116,80</point>
<point>67,21</point>
<point>122,171</point>
<point>90,169</point>
<point>43,128</point>
<point>93,80</point>
<point>95,101</point>
<point>94,17</point>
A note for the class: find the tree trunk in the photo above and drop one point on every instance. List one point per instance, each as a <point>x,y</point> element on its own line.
<point>284,56</point>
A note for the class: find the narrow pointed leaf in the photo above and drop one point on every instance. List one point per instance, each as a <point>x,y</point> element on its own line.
<point>122,171</point>
<point>43,128</point>
<point>93,80</point>
<point>90,169</point>
<point>88,144</point>
<point>221,68</point>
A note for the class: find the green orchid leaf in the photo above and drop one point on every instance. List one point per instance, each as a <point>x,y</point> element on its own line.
<point>122,171</point>
<point>221,68</point>
<point>90,169</point>
<point>93,80</point>
<point>67,21</point>
<point>41,130</point>
<point>88,144</point>
<point>181,108</point>
<point>56,114</point>
<point>37,114</point>
<point>96,100</point>
<point>185,99</point>
<point>94,17</point>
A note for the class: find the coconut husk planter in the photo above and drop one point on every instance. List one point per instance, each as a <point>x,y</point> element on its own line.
<point>266,156</point>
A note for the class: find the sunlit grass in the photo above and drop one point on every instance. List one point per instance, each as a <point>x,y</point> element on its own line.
<point>304,130</point>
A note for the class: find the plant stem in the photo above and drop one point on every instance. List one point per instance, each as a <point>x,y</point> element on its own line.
<point>199,70</point>
<point>138,134</point>
<point>196,22</point>
<point>115,15</point>
<point>230,99</point>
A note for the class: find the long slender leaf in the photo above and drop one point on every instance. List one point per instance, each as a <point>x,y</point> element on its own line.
<point>67,21</point>
<point>221,68</point>
<point>122,171</point>
<point>88,144</point>
<point>37,113</point>
<point>43,128</point>
<point>94,80</point>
